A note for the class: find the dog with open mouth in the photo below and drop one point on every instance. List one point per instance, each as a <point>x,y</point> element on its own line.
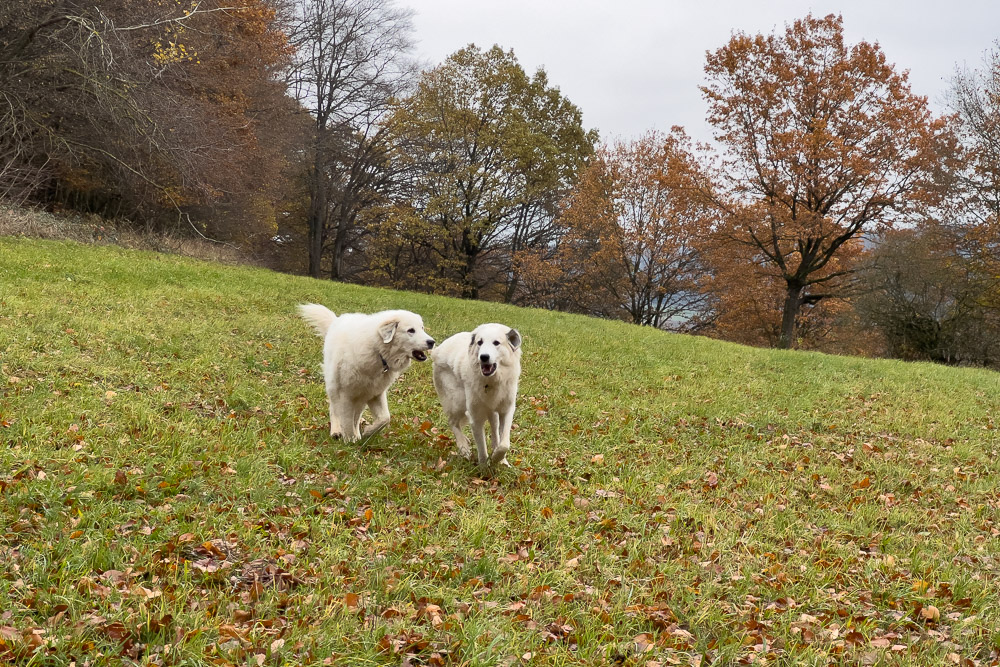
<point>476,375</point>
<point>362,356</point>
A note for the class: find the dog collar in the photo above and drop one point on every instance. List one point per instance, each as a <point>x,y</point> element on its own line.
<point>385,366</point>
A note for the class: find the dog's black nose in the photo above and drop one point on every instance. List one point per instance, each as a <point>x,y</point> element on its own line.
<point>430,343</point>
<point>485,358</point>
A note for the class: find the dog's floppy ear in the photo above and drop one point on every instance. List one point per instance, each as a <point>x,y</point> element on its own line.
<point>514,338</point>
<point>387,330</point>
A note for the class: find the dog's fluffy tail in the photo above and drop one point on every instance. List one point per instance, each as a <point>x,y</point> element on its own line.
<point>320,317</point>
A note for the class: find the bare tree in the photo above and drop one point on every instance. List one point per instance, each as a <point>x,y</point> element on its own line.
<point>351,59</point>
<point>128,107</point>
<point>975,98</point>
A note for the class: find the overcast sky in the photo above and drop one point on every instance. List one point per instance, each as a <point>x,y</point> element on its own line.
<point>635,65</point>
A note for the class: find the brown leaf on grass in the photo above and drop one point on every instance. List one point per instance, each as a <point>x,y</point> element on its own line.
<point>352,600</point>
<point>558,631</point>
<point>267,573</point>
<point>863,484</point>
<point>232,632</point>
<point>547,512</point>
<point>643,643</point>
<point>121,479</point>
<point>391,612</point>
<point>88,585</point>
<point>431,612</point>
<point>116,631</point>
<point>213,549</point>
<point>157,625</point>
<point>404,642</point>
<point>854,638</point>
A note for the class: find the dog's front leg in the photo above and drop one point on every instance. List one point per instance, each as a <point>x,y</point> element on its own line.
<point>334,419</point>
<point>349,415</point>
<point>462,442</point>
<point>502,445</point>
<point>479,434</point>
<point>380,413</point>
<point>494,434</point>
<point>341,417</point>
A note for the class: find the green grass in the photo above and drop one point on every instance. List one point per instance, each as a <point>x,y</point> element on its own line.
<point>169,494</point>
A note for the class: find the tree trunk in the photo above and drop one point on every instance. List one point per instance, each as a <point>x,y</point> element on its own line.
<point>469,288</point>
<point>317,215</point>
<point>315,240</point>
<point>339,246</point>
<point>470,248</point>
<point>793,302</point>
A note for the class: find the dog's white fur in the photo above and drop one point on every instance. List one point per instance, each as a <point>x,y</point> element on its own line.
<point>362,356</point>
<point>476,375</point>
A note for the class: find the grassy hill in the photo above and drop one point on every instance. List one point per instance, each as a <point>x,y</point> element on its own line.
<point>169,494</point>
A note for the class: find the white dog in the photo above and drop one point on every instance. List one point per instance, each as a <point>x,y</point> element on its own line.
<point>362,356</point>
<point>476,375</point>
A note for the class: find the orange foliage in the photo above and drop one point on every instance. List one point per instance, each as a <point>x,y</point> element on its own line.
<point>749,297</point>
<point>629,246</point>
<point>824,142</point>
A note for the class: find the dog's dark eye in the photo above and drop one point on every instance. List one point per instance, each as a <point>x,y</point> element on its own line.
<point>411,331</point>
<point>496,342</point>
<point>479,343</point>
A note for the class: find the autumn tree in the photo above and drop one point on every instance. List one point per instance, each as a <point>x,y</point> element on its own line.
<point>824,142</point>
<point>630,230</point>
<point>491,151</point>
<point>351,59</point>
<point>747,296</point>
<point>151,110</point>
<point>930,296</point>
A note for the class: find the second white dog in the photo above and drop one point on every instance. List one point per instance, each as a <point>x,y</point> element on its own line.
<point>362,356</point>
<point>476,375</point>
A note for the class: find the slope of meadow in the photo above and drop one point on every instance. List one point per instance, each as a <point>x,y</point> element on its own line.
<point>169,495</point>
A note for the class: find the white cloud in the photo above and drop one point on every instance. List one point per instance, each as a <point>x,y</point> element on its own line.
<point>634,65</point>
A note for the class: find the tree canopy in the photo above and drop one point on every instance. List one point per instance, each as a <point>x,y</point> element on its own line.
<point>823,142</point>
<point>491,151</point>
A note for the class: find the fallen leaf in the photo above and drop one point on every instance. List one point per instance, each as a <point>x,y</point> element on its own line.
<point>930,613</point>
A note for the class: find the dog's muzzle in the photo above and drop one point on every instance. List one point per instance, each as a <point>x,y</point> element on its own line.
<point>420,355</point>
